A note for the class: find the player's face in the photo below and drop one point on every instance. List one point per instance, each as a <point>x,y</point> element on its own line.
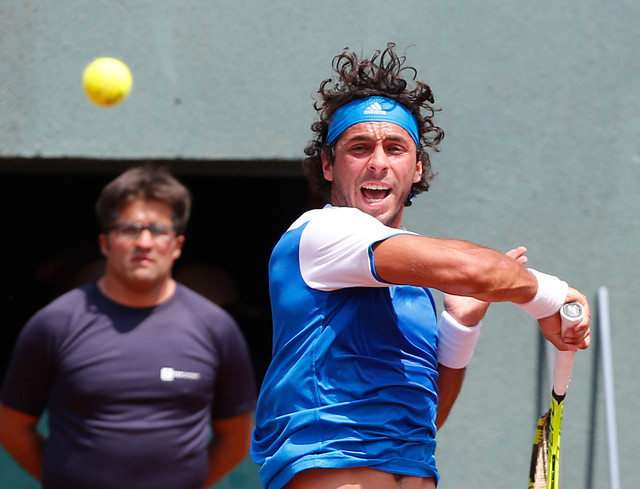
<point>374,167</point>
<point>145,260</point>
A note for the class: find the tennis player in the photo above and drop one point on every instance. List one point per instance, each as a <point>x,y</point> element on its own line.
<point>362,373</point>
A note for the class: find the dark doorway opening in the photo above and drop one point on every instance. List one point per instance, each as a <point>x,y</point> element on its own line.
<point>50,243</point>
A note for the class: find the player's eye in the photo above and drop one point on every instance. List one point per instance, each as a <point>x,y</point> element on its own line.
<point>359,148</point>
<point>396,149</point>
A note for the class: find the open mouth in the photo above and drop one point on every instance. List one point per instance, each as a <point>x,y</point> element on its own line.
<point>375,193</point>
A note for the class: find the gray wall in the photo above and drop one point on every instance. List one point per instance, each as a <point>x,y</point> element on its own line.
<point>540,105</point>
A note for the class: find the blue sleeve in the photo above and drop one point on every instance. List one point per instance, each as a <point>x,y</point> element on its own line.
<point>336,249</point>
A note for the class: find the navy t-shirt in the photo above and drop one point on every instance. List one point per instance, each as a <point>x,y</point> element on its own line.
<point>129,392</point>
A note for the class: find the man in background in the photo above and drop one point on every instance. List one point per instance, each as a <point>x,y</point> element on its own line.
<point>146,383</point>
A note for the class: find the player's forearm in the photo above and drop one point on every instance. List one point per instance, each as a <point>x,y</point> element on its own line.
<point>454,267</point>
<point>449,384</point>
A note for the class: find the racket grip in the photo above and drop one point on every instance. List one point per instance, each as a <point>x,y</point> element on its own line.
<point>571,314</point>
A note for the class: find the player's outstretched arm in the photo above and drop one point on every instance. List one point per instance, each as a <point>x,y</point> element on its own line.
<point>470,311</point>
<point>466,269</point>
<point>454,267</point>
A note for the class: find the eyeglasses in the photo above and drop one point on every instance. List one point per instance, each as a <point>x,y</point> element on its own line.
<point>132,230</point>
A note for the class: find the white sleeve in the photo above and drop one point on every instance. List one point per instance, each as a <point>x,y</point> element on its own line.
<point>336,249</point>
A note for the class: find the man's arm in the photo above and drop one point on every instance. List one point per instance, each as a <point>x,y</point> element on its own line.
<point>468,312</point>
<point>19,436</point>
<point>230,444</point>
<point>449,385</point>
<point>465,269</point>
<point>454,267</point>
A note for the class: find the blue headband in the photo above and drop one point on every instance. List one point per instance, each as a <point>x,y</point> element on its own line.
<point>372,109</point>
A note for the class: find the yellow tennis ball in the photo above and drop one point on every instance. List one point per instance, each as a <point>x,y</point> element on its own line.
<point>107,81</point>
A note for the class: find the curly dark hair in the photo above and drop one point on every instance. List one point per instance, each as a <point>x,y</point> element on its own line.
<point>385,74</point>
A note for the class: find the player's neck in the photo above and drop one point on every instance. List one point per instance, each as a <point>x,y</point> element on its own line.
<point>136,295</point>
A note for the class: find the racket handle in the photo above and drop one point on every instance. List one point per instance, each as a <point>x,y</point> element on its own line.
<point>571,314</point>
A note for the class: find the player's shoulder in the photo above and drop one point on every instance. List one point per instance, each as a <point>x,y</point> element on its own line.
<point>332,216</point>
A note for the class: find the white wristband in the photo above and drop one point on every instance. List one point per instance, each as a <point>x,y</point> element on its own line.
<point>551,294</point>
<point>456,341</point>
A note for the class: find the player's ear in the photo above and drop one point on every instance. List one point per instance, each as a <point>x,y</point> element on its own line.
<point>418,174</point>
<point>327,166</point>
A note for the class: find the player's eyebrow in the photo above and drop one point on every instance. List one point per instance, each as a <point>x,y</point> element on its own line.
<point>369,137</point>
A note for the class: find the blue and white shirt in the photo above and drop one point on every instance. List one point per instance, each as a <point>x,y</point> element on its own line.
<point>352,381</point>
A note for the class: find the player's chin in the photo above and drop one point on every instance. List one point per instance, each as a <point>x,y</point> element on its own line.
<point>375,210</point>
<point>387,206</point>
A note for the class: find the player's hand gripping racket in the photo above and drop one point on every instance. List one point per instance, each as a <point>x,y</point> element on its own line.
<point>545,459</point>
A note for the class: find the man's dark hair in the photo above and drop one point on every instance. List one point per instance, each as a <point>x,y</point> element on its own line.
<point>384,74</point>
<point>148,183</point>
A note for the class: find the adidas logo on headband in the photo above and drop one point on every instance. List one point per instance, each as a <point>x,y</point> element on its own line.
<point>375,109</point>
<point>371,109</point>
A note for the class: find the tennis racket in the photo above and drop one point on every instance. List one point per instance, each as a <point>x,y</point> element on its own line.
<point>544,472</point>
